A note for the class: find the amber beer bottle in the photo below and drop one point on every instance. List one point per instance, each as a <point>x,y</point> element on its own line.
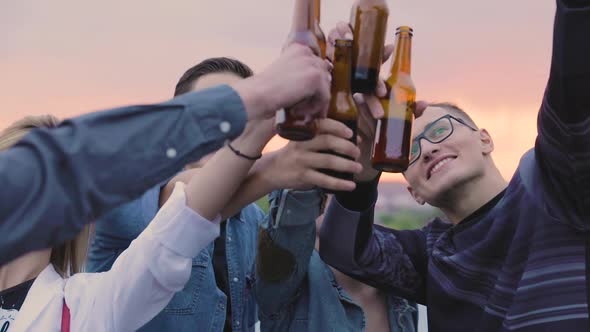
<point>303,31</point>
<point>391,148</point>
<point>319,33</point>
<point>342,107</point>
<point>369,27</point>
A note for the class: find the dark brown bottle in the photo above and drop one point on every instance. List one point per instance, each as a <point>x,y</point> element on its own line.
<point>319,33</point>
<point>369,28</point>
<point>393,136</point>
<point>303,31</point>
<point>342,107</point>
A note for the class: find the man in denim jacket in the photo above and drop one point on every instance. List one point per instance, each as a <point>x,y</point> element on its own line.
<point>218,295</point>
<point>204,298</point>
<point>297,291</point>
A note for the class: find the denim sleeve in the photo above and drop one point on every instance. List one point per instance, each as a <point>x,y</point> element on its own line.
<point>55,181</point>
<point>285,243</point>
<point>114,231</point>
<point>381,257</point>
<point>563,143</point>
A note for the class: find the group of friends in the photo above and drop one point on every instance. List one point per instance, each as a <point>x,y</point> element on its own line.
<point>143,217</point>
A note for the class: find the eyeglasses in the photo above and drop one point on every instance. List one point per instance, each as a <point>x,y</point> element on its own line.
<point>435,132</point>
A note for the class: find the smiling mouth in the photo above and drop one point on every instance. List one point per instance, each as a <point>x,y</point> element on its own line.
<point>438,166</point>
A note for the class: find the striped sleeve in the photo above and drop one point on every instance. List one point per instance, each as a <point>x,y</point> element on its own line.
<point>392,260</point>
<point>563,143</point>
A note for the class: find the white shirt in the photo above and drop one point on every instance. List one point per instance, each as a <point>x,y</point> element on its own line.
<point>139,285</point>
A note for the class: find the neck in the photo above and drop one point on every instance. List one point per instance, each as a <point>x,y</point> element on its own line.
<point>472,195</point>
<point>23,268</point>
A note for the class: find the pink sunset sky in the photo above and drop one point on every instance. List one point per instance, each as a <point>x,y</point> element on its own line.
<point>72,57</point>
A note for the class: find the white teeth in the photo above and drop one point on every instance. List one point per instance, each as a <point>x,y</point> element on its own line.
<point>439,165</point>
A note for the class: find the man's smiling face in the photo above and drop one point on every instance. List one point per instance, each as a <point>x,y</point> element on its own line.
<point>448,164</point>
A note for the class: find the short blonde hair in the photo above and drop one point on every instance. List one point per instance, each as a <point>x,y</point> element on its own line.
<point>69,257</point>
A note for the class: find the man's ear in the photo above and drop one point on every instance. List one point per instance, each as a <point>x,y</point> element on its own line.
<point>487,143</point>
<point>415,195</point>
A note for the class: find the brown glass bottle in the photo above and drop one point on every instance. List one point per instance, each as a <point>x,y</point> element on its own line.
<point>342,107</point>
<point>319,33</point>
<point>369,28</point>
<point>391,148</point>
<point>290,126</point>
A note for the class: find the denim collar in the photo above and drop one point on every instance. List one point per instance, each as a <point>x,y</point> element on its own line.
<point>238,216</point>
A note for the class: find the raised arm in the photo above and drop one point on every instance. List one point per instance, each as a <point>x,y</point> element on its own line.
<point>563,143</point>
<point>159,267</point>
<point>285,243</point>
<point>381,257</point>
<point>116,229</point>
<point>54,181</point>
<point>292,167</point>
<point>144,277</point>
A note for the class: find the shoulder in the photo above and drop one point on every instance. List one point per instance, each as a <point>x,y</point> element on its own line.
<point>433,231</point>
<point>80,295</point>
<point>78,284</point>
<point>528,163</point>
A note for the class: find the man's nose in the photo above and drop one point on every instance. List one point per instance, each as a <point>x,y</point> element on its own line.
<point>429,150</point>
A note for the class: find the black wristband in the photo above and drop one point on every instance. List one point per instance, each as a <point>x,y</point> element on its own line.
<point>239,154</point>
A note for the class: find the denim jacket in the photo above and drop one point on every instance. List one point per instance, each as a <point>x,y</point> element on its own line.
<point>201,305</point>
<point>295,289</point>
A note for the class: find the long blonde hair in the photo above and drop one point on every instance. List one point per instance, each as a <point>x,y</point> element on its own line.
<point>68,258</point>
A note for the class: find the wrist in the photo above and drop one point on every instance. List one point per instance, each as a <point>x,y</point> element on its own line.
<point>260,176</point>
<point>362,198</point>
<point>368,173</point>
<point>270,172</point>
<point>253,93</point>
<point>251,142</point>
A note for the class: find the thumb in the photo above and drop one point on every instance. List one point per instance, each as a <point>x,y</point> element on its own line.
<point>421,106</point>
<point>387,52</point>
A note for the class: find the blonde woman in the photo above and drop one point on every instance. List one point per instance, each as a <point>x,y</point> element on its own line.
<point>44,291</point>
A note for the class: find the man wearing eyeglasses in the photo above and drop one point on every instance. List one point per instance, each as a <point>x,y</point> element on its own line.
<point>515,256</point>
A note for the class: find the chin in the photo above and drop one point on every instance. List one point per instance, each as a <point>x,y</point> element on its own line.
<point>442,189</point>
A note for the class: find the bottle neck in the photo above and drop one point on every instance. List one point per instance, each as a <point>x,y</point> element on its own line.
<point>342,69</point>
<point>353,10</point>
<point>402,62</point>
<point>303,16</point>
<point>317,10</point>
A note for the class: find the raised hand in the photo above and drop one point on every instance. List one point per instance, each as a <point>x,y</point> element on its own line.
<point>297,75</point>
<point>296,165</point>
